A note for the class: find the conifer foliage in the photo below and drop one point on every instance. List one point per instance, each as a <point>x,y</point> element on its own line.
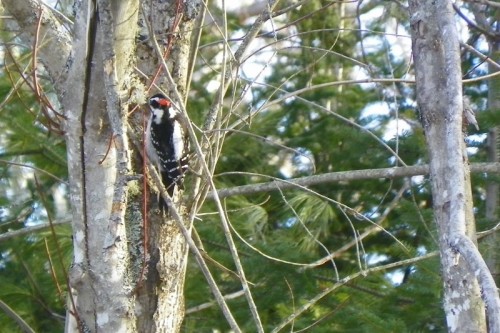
<point>308,205</point>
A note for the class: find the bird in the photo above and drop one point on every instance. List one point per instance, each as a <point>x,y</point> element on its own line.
<point>167,144</point>
<point>469,118</point>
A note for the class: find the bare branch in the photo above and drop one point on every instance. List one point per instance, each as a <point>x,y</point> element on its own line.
<point>196,252</point>
<point>477,266</point>
<point>481,55</point>
<point>486,2</point>
<point>488,232</point>
<point>206,171</point>
<point>210,304</point>
<point>29,230</point>
<point>333,177</point>
<point>34,168</point>
<point>345,280</point>
<point>311,235</point>
<point>473,25</point>
<point>16,317</point>
<point>249,37</point>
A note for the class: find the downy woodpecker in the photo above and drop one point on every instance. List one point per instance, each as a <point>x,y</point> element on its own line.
<point>167,143</point>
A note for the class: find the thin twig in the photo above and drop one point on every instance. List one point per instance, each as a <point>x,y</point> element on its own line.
<point>210,304</point>
<point>345,280</point>
<point>369,231</point>
<point>316,240</point>
<point>295,94</point>
<point>16,317</point>
<point>34,168</point>
<point>481,55</point>
<point>206,171</point>
<point>194,249</point>
<point>29,230</point>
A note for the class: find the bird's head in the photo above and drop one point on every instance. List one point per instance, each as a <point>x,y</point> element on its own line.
<point>159,105</point>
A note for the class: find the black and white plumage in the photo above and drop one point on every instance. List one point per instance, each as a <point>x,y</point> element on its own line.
<point>167,143</point>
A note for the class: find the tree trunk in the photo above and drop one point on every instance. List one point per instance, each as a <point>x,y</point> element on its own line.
<point>99,164</point>
<point>492,242</point>
<point>93,71</point>
<point>439,97</point>
<point>160,295</point>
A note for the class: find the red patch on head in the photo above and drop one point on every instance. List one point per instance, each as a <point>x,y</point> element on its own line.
<point>164,102</point>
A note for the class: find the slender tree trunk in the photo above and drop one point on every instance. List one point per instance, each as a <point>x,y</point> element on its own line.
<point>439,97</point>
<point>492,242</point>
<point>99,164</point>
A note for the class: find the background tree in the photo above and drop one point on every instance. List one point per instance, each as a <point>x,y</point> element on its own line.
<point>437,64</point>
<point>274,92</point>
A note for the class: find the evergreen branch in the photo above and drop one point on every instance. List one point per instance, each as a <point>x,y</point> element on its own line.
<point>359,238</point>
<point>333,177</point>
<point>21,152</point>
<point>341,206</point>
<point>295,94</point>
<point>270,141</point>
<point>253,248</point>
<point>57,244</point>
<point>369,291</point>
<point>346,280</point>
<point>323,317</point>
<point>311,235</point>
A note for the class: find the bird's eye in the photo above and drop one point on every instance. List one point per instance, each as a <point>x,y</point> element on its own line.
<point>154,104</point>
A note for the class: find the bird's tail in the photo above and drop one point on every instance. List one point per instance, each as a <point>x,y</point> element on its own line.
<point>171,179</point>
